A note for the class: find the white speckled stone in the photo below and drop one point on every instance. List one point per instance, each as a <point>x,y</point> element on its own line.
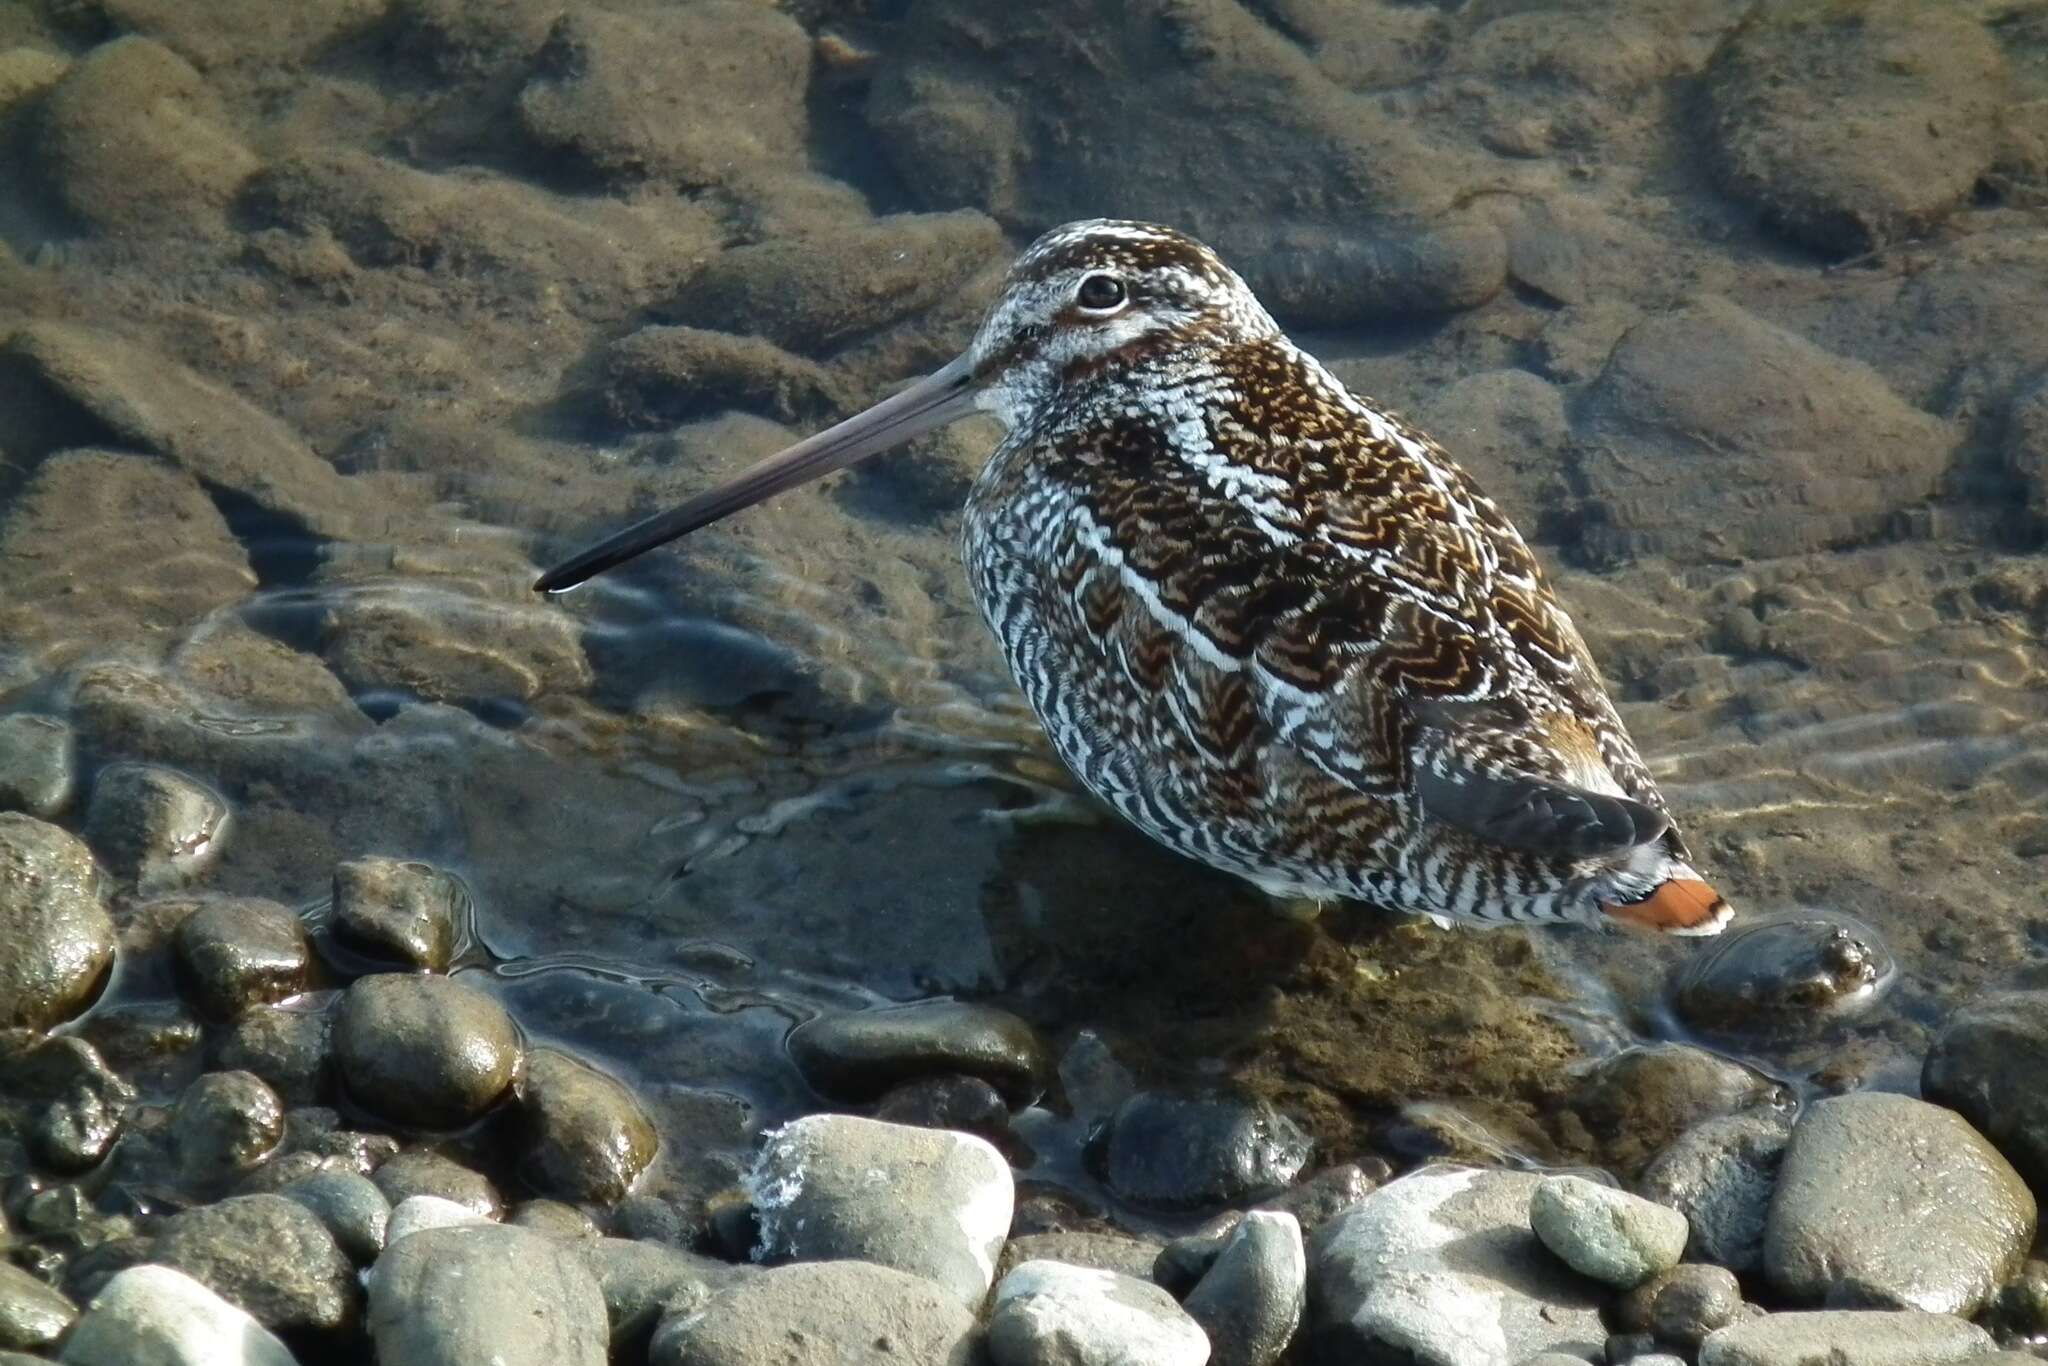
<point>928,1201</point>
<point>1441,1265</point>
<point>1052,1314</point>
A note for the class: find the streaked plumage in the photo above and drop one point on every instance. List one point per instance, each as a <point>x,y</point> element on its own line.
<point>1271,624</point>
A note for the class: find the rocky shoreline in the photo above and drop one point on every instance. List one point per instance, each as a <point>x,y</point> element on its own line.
<point>712,967</point>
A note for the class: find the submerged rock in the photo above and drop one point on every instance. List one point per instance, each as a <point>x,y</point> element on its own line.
<point>135,142</point>
<point>401,909</point>
<point>821,1314</point>
<point>858,1056</point>
<point>1779,446</point>
<point>1442,1264</point>
<point>154,827</point>
<point>425,1051</point>
<point>690,95</point>
<point>486,1293</point>
<point>1047,1314</point>
<point>1854,126</point>
<point>1641,1098</point>
<point>1786,976</point>
<point>56,938</point>
<point>37,766</point>
<point>159,1316</point>
<point>1890,1202</point>
<point>920,1200</point>
<point>77,1106</point>
<point>1175,1153</point>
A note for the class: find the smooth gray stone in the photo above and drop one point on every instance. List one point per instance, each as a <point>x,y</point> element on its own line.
<point>645,1282</point>
<point>1619,1239</point>
<point>1720,1174</point>
<point>486,1293</point>
<point>1442,1265</point>
<point>1884,1201</point>
<point>351,1206</point>
<point>1845,1337</point>
<point>418,1213</point>
<point>821,1314</point>
<point>926,1201</point>
<point>1250,1302</point>
<point>1050,1314</point>
<point>155,1316</point>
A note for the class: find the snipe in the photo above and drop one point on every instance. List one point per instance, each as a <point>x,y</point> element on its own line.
<point>1272,624</point>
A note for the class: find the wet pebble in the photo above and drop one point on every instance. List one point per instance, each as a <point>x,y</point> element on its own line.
<point>418,1213</point>
<point>1683,1305</point>
<point>1168,1152</point>
<point>2019,1311</point>
<point>1607,1234</point>
<point>452,1296</point>
<point>420,1172</point>
<point>1923,84</point>
<point>37,768</point>
<point>136,1033</point>
<point>425,1051</point>
<point>1987,1064</point>
<point>350,1205</point>
<point>968,1104</point>
<point>1867,1337</point>
<point>1720,1174</point>
<point>32,1315</point>
<point>270,1255</point>
<point>858,1056</point>
<point>158,1316</point>
<point>225,1123</point>
<point>399,909</point>
<point>1437,1260</point>
<point>56,938</point>
<point>78,1105</point>
<point>1049,1314</point>
<point>821,1314</point>
<point>240,952</point>
<point>1787,976</point>
<point>587,1139</point>
<point>1886,1201</point>
<point>287,1048</point>
<point>155,828</point>
<point>1250,1300</point>
<point>927,1201</point>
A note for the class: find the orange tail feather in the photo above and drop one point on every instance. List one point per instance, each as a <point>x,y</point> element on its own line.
<point>1680,906</point>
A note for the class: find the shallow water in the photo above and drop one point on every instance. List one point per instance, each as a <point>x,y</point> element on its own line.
<point>417,262</point>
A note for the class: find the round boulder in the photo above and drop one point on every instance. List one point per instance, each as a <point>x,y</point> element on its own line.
<point>425,1051</point>
<point>56,938</point>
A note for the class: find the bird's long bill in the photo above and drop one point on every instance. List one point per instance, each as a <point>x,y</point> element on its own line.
<point>944,396</point>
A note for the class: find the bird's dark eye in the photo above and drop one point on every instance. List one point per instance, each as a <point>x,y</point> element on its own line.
<point>1100,293</point>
